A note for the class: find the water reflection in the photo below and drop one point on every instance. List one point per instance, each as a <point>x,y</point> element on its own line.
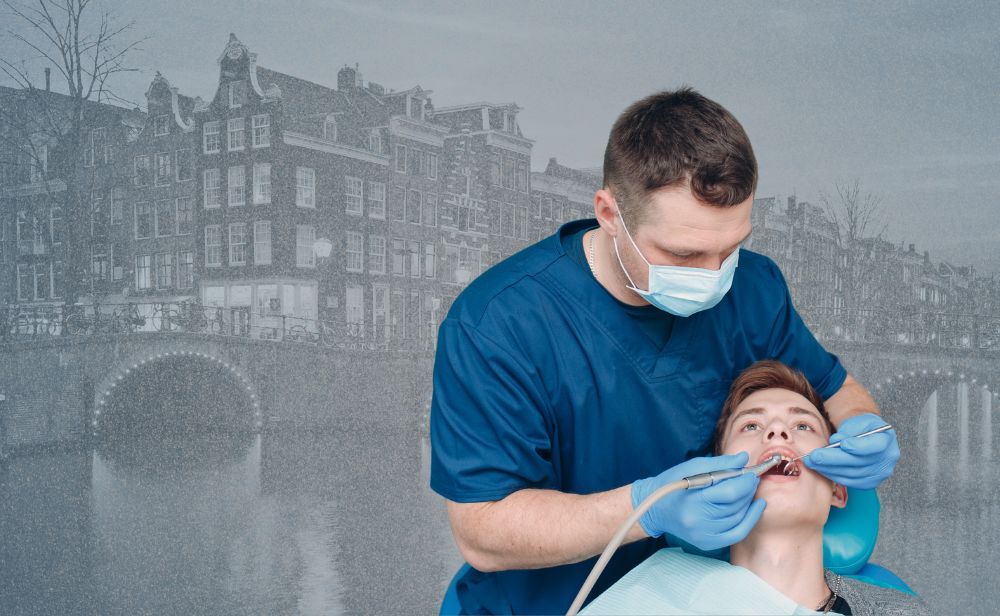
<point>303,523</point>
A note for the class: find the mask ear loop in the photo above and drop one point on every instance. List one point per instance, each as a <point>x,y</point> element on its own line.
<point>614,240</point>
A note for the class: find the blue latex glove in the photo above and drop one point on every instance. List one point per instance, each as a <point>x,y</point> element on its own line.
<point>859,462</point>
<point>707,518</point>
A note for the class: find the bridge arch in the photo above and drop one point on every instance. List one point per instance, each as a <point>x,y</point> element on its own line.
<point>118,376</point>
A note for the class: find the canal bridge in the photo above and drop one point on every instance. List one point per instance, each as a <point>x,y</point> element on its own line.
<point>59,386</point>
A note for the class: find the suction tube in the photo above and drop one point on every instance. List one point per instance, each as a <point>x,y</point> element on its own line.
<point>701,480</point>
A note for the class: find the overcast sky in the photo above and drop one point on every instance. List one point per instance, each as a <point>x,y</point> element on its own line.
<point>902,97</point>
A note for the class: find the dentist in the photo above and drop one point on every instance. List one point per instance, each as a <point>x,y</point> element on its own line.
<point>578,376</point>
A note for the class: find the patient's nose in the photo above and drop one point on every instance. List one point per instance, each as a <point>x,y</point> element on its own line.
<point>779,431</point>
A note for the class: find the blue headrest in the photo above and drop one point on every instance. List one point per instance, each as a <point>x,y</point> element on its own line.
<point>848,537</point>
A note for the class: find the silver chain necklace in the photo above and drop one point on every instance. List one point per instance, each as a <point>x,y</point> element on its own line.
<point>826,607</point>
<point>590,257</point>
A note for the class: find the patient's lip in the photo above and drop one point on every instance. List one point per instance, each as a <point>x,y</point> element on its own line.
<point>785,452</point>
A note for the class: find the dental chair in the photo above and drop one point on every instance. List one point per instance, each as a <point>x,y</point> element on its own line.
<point>848,542</point>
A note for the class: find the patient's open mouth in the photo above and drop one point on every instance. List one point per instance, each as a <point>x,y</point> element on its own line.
<point>785,464</point>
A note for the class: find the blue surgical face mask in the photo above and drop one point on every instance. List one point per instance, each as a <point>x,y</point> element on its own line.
<point>683,291</point>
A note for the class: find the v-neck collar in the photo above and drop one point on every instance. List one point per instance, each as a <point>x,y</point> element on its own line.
<point>604,312</point>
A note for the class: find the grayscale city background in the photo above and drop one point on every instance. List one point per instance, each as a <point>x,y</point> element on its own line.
<point>228,239</point>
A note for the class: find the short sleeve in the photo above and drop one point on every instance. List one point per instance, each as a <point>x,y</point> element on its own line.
<point>487,426</point>
<point>792,343</point>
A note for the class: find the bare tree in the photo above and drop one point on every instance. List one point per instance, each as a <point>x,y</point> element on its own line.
<point>857,216</point>
<point>86,50</point>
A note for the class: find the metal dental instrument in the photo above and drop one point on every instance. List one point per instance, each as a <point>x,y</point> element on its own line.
<point>788,465</point>
<point>701,480</point>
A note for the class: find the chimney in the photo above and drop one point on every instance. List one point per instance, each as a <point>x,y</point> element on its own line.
<point>348,78</point>
<point>48,78</point>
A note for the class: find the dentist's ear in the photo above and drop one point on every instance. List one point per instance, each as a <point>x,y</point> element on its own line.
<point>839,496</point>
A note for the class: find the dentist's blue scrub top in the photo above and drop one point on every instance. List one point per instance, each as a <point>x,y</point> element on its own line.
<point>542,379</point>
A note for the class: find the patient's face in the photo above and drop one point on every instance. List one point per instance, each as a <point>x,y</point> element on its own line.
<point>781,421</point>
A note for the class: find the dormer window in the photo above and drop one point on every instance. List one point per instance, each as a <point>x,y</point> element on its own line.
<point>237,93</point>
<point>330,128</point>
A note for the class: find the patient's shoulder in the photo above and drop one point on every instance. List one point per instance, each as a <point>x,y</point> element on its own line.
<point>868,599</point>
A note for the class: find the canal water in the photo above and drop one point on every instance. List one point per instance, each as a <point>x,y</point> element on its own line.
<point>301,523</point>
<point>339,522</point>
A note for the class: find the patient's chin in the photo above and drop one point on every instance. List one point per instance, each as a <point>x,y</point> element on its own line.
<point>786,512</point>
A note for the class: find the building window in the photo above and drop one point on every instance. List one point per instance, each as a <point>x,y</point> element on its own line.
<point>185,269</point>
<point>261,131</point>
<point>237,186</point>
<point>355,304</point>
<point>355,251</point>
<point>262,183</point>
<point>143,220</point>
<point>305,187</point>
<point>494,215</point>
<point>398,204</point>
<point>547,208</point>
<point>117,205</point>
<point>522,177</point>
<point>141,170</point>
<point>185,165</point>
<point>55,225</point>
<point>163,168</point>
<point>413,248</point>
<point>413,206</point>
<point>416,161</point>
<point>376,200</point>
<point>522,222</point>
<point>143,272</point>
<point>213,245</point>
<point>262,242</point>
<point>237,243</point>
<point>185,220</point>
<point>430,261</point>
<point>164,270</point>
<point>401,158</point>
<point>210,137</point>
<point>305,237</point>
<point>430,210</point>
<point>99,267</point>
<point>161,125</point>
<point>353,197</point>
<point>165,222</point>
<point>213,188</point>
<point>375,141</point>
<point>508,172</point>
<point>432,165</point>
<point>235,131</point>
<point>376,254</point>
<point>508,219</point>
<point>494,173</point>
<point>237,93</point>
<point>330,128</point>
<point>398,256</point>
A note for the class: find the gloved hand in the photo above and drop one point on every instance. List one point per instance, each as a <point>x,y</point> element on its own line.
<point>859,462</point>
<point>707,518</point>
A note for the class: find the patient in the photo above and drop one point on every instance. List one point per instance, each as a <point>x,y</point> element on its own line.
<point>771,408</point>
